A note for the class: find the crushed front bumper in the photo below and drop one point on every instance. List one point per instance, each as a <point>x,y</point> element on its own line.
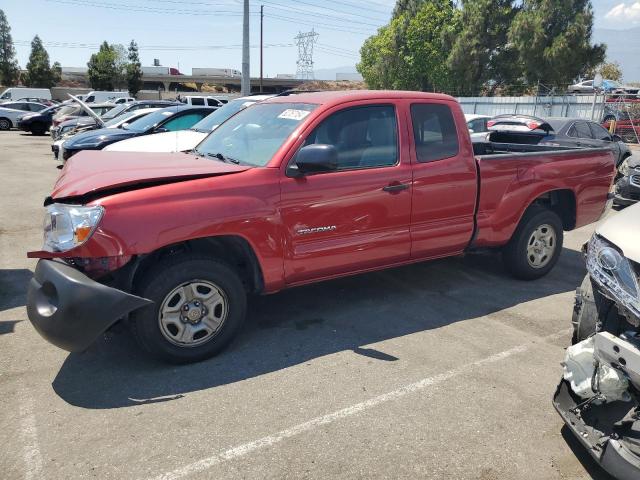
<point>596,430</point>
<point>70,310</point>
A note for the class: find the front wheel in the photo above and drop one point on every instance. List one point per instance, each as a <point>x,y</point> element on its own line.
<point>199,306</point>
<point>536,244</point>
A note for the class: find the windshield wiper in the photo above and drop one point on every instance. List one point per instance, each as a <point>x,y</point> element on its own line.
<point>222,158</point>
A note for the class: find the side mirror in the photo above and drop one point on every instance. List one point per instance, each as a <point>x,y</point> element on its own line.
<point>160,130</point>
<point>316,158</point>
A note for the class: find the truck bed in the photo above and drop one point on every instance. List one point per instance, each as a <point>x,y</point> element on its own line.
<point>509,174</point>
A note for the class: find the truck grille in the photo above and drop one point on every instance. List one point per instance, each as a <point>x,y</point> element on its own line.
<point>635,180</point>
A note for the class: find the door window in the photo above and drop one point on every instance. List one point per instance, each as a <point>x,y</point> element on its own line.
<point>183,122</point>
<point>364,137</point>
<point>582,130</point>
<point>599,133</point>
<point>434,132</point>
<point>197,101</point>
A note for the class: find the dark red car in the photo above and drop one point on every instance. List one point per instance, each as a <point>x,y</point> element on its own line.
<point>294,190</point>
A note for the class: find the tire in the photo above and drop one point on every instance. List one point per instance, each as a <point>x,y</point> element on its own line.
<point>517,255</point>
<point>38,130</point>
<point>585,313</point>
<point>158,330</point>
<point>5,124</point>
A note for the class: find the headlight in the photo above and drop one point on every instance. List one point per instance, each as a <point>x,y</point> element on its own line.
<point>67,226</point>
<point>609,268</point>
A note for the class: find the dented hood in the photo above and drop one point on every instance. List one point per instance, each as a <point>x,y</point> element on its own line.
<point>89,172</point>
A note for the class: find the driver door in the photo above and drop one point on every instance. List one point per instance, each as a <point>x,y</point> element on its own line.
<point>356,217</point>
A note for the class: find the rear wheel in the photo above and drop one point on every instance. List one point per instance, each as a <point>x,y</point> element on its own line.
<point>199,307</point>
<point>536,244</point>
<point>5,124</point>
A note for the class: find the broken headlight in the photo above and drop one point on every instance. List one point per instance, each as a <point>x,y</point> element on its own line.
<point>67,226</point>
<point>608,266</point>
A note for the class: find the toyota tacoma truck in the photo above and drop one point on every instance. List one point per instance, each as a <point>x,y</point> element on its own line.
<point>297,189</point>
<point>599,394</point>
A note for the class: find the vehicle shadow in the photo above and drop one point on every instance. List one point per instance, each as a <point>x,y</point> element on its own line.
<point>13,287</point>
<point>588,463</point>
<point>297,325</point>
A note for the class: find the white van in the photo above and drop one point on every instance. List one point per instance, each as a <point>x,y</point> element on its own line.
<point>14,94</point>
<point>102,97</point>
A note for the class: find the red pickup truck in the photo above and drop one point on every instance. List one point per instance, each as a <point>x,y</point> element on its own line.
<point>293,190</point>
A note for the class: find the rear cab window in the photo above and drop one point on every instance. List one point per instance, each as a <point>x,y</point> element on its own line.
<point>434,132</point>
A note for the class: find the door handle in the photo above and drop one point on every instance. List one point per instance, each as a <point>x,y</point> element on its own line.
<point>395,187</point>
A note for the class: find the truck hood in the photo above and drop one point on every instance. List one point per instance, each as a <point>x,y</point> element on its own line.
<point>92,172</point>
<point>623,230</point>
<point>159,142</point>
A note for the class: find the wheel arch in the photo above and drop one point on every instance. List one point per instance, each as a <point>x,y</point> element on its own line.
<point>233,250</point>
<point>560,201</point>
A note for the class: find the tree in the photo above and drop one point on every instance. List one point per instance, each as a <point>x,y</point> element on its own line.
<point>611,71</point>
<point>39,72</point>
<point>552,39</point>
<point>411,51</point>
<point>481,54</point>
<point>102,68</point>
<point>134,70</point>
<point>9,70</point>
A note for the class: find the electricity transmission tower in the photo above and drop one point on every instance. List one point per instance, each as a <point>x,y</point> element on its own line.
<point>305,42</point>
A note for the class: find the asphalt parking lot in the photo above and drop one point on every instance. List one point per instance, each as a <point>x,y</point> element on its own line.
<point>443,370</point>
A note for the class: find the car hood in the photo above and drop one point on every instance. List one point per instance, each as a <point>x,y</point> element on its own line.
<point>101,135</point>
<point>623,230</point>
<point>179,141</point>
<point>77,121</point>
<point>89,172</point>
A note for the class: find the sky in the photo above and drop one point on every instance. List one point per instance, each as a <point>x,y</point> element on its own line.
<point>190,33</point>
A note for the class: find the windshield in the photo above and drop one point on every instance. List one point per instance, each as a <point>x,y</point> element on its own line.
<point>114,112</point>
<point>69,110</point>
<point>149,121</point>
<point>253,135</point>
<point>122,118</point>
<point>222,114</point>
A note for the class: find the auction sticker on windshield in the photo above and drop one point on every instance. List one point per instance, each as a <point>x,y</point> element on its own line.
<point>294,114</point>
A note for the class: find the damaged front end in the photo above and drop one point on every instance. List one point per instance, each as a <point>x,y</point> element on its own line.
<point>599,394</point>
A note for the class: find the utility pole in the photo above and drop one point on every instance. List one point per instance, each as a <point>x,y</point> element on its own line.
<point>261,22</point>
<point>246,79</point>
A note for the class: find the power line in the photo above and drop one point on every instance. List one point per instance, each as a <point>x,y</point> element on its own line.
<point>336,28</point>
<point>327,16</point>
<point>95,46</point>
<point>125,7</point>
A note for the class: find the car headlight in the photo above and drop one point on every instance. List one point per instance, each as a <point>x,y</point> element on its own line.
<point>608,267</point>
<point>67,226</point>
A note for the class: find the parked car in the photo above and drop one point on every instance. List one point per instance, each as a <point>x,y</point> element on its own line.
<point>556,132</point>
<point>627,187</point>
<point>97,96</point>
<point>11,112</point>
<point>615,87</point>
<point>75,114</point>
<point>477,125</point>
<point>43,101</point>
<point>121,100</point>
<point>183,140</point>
<point>39,122</point>
<point>202,100</point>
<point>16,93</point>
<point>598,395</point>
<point>179,117</point>
<point>119,122</point>
<point>126,107</point>
<point>293,190</point>
<point>586,86</point>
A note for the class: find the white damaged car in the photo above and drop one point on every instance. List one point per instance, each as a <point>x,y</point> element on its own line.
<point>599,394</point>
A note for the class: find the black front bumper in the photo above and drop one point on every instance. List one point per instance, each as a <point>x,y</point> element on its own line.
<point>596,433</point>
<point>70,310</point>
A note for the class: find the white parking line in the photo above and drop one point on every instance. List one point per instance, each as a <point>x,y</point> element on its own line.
<point>241,450</point>
<point>30,445</point>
